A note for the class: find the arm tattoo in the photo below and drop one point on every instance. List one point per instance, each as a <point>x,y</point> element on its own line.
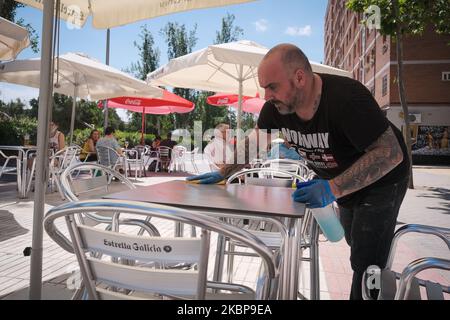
<point>380,158</point>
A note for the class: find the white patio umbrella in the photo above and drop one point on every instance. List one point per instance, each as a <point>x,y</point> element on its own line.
<point>229,67</point>
<point>118,12</point>
<point>106,13</point>
<point>13,39</point>
<point>79,76</point>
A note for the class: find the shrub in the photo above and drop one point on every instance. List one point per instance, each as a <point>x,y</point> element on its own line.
<point>12,130</point>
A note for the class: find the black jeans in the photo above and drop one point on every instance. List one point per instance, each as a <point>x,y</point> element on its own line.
<point>369,225</point>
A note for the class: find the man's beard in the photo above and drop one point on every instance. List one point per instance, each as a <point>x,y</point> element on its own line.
<point>289,107</point>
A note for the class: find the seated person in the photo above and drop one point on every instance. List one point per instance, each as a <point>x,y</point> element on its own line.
<point>156,143</point>
<point>57,139</point>
<point>283,151</point>
<point>219,149</point>
<point>89,153</point>
<point>168,142</point>
<point>108,141</point>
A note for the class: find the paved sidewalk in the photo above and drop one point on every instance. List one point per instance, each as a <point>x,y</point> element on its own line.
<point>428,204</point>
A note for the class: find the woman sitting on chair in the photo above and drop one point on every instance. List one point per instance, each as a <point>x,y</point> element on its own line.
<point>89,152</point>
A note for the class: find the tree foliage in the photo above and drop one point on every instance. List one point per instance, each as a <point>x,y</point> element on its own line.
<point>414,15</point>
<point>179,43</point>
<point>148,61</point>
<point>229,32</point>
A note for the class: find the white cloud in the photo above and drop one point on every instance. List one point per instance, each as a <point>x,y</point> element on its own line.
<point>261,25</point>
<point>299,31</point>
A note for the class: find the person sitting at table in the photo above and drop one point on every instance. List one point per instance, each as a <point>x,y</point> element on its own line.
<point>168,142</point>
<point>218,148</point>
<point>156,143</point>
<point>89,153</point>
<point>109,141</point>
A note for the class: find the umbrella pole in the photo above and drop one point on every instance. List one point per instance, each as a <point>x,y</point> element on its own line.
<point>45,95</point>
<point>74,106</point>
<point>105,102</point>
<point>239,115</point>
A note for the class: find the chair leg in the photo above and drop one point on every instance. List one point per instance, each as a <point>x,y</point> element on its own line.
<point>230,262</point>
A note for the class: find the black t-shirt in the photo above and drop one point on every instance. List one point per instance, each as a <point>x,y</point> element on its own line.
<point>347,121</point>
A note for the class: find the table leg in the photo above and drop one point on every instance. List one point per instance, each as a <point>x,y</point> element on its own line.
<point>218,263</point>
<point>314,267</point>
<point>291,259</point>
<point>23,174</point>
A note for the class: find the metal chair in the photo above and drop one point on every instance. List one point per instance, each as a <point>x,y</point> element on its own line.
<point>58,163</point>
<point>164,157</point>
<point>96,181</point>
<point>111,158</point>
<point>408,288</point>
<point>5,169</point>
<point>177,159</point>
<point>294,166</point>
<point>135,157</point>
<point>145,277</point>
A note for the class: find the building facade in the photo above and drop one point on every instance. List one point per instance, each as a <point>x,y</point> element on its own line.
<point>371,58</point>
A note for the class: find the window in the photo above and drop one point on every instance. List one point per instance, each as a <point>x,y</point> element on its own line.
<point>372,90</point>
<point>446,76</point>
<point>384,87</point>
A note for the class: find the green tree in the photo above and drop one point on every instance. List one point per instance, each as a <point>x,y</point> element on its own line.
<point>180,42</point>
<point>228,33</point>
<point>8,11</point>
<point>399,18</point>
<point>13,108</point>
<point>87,114</point>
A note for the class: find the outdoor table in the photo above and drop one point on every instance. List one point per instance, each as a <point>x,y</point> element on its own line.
<point>234,199</point>
<point>22,153</point>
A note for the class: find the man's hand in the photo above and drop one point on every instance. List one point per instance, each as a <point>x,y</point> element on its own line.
<point>207,178</point>
<point>315,193</point>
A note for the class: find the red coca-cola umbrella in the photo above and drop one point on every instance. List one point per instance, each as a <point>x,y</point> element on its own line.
<point>249,104</point>
<point>167,104</point>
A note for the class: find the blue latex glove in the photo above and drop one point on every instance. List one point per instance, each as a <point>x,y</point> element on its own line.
<point>207,178</point>
<point>315,193</point>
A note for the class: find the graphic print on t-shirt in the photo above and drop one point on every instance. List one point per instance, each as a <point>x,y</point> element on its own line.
<point>313,147</point>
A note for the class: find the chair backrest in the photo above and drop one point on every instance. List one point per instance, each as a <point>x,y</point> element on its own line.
<point>294,166</point>
<point>409,285</point>
<point>178,152</point>
<point>64,158</point>
<point>95,181</point>
<point>4,168</point>
<point>164,152</point>
<point>152,252</point>
<point>266,177</point>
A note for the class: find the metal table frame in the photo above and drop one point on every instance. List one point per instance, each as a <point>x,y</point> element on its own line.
<point>200,198</point>
<point>22,170</point>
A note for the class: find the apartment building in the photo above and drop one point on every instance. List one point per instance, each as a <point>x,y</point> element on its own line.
<point>371,58</point>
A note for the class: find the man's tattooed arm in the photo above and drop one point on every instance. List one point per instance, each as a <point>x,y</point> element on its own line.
<point>380,158</point>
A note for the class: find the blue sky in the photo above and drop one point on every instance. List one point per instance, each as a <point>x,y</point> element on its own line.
<point>267,22</point>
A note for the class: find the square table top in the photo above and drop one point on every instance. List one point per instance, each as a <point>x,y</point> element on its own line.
<point>234,198</point>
